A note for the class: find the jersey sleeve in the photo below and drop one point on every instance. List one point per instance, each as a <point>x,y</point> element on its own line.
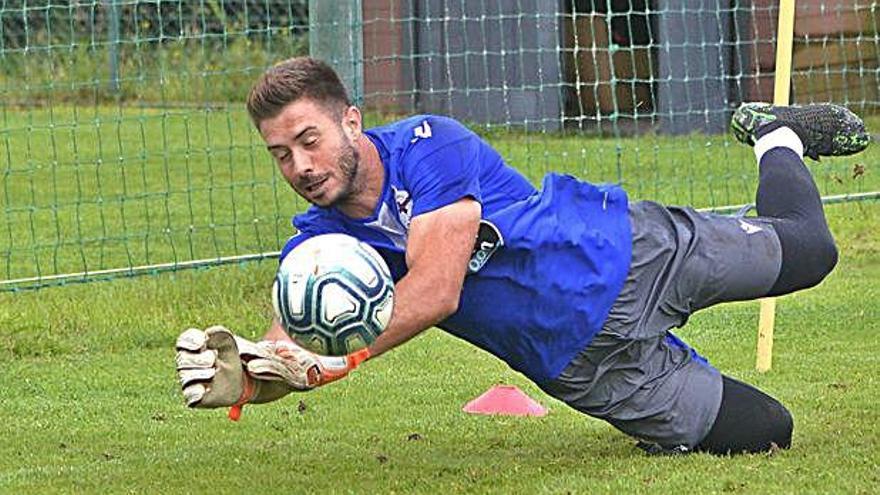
<point>444,167</point>
<point>308,225</point>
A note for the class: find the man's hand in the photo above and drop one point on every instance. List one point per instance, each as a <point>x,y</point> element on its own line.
<point>212,366</point>
<point>300,369</point>
<point>210,369</point>
<point>218,369</point>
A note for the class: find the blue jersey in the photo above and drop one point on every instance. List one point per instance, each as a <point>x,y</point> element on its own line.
<point>547,265</point>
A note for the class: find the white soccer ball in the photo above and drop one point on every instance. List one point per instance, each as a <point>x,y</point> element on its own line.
<point>333,294</point>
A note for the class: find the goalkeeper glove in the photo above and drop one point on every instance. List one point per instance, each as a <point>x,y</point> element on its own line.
<point>219,369</point>
<point>319,370</point>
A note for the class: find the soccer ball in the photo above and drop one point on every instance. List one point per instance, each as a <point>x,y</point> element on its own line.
<point>333,294</point>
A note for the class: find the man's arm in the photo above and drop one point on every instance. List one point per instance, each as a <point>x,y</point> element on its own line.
<point>437,252</point>
<point>218,374</point>
<point>276,332</point>
<point>438,249</point>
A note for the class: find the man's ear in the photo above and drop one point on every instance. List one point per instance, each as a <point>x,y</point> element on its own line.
<point>352,123</point>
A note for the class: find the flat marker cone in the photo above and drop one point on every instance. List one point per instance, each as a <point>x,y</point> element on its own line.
<point>507,400</point>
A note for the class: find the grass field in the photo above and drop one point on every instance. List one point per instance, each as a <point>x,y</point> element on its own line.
<point>90,402</point>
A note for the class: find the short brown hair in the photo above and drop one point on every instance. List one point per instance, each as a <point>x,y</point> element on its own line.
<point>292,79</point>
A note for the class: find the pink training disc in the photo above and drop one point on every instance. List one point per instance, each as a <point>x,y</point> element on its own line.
<point>507,400</point>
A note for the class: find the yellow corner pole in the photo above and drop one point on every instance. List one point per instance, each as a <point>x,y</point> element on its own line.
<point>781,95</point>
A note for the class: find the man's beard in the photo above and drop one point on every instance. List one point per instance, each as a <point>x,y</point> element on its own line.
<point>348,158</point>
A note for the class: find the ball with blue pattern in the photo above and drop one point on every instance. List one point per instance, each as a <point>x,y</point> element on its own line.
<point>333,294</point>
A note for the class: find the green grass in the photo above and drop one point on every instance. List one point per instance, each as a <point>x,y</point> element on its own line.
<point>86,188</point>
<point>215,69</point>
<point>90,402</point>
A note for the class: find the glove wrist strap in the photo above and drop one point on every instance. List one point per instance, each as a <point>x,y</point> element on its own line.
<point>248,391</point>
<point>336,367</point>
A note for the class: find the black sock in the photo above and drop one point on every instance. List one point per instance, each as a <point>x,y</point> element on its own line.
<point>787,196</point>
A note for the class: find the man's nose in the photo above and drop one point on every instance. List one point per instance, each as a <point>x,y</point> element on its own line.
<point>301,163</point>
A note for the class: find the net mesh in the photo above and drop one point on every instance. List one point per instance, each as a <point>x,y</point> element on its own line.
<point>125,146</point>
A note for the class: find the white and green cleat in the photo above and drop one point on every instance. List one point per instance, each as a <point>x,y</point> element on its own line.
<point>825,129</point>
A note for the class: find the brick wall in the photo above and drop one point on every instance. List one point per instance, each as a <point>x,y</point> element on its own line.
<point>834,57</point>
<point>386,87</point>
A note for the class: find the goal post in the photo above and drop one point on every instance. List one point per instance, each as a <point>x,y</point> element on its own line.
<point>336,36</point>
<point>781,96</point>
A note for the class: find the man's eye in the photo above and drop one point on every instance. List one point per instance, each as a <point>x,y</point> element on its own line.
<point>282,157</point>
<point>311,142</point>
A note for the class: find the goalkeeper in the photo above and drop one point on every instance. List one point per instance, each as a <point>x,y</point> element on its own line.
<point>589,285</point>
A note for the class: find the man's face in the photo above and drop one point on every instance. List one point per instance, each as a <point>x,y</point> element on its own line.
<point>315,150</point>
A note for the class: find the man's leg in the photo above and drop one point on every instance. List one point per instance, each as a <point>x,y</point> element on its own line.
<point>634,374</point>
<point>748,421</point>
<point>729,258</point>
<point>787,247</point>
<point>645,381</point>
<point>788,199</point>
<point>660,392</point>
<point>653,388</point>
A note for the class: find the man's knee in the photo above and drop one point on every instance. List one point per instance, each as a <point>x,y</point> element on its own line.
<point>817,259</point>
<point>826,257</point>
<point>748,421</point>
<point>782,426</point>
<point>830,254</point>
<point>809,254</point>
<point>823,258</point>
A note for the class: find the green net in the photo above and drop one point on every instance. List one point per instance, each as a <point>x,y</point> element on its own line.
<point>124,139</point>
<point>125,147</point>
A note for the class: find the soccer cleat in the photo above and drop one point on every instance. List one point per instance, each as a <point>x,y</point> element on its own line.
<point>825,129</point>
